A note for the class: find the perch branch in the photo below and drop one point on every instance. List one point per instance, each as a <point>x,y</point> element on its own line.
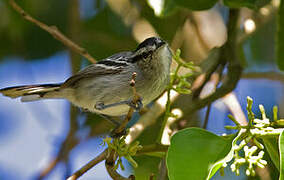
<point>110,166</point>
<point>88,166</point>
<point>228,53</point>
<point>53,31</point>
<point>135,99</point>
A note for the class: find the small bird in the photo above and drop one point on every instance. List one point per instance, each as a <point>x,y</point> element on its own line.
<point>103,87</point>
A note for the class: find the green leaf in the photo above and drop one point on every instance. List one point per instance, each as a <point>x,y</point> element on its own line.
<point>196,5</point>
<point>182,90</point>
<point>252,4</point>
<point>280,37</point>
<point>193,153</point>
<point>226,159</point>
<point>281,152</point>
<point>271,146</point>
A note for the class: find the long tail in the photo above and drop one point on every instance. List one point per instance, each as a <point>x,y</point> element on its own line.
<point>33,92</point>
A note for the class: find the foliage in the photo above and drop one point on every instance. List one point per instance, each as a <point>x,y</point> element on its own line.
<point>194,153</point>
<point>123,150</point>
<point>193,150</point>
<point>198,150</point>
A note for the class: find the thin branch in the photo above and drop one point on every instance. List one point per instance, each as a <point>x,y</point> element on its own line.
<point>53,31</point>
<point>274,76</point>
<point>207,116</point>
<point>135,99</point>
<point>116,176</point>
<point>110,166</point>
<point>228,53</point>
<point>112,156</point>
<point>215,78</point>
<point>49,168</point>
<point>89,165</point>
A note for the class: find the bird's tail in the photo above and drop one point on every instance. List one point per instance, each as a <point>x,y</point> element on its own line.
<point>33,92</point>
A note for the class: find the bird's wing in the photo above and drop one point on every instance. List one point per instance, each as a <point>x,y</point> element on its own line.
<point>111,65</point>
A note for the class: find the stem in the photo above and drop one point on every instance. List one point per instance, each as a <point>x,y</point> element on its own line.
<point>168,104</point>
<point>88,166</point>
<point>53,31</point>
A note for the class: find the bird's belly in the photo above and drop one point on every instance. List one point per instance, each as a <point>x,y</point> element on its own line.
<point>112,92</point>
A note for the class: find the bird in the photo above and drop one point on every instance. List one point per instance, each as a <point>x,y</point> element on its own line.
<point>103,87</point>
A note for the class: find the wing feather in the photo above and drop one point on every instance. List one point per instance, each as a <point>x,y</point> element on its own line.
<point>103,67</point>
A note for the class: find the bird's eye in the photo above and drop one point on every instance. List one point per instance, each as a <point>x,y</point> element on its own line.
<point>145,55</point>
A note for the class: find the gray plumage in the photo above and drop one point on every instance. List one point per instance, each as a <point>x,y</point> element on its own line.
<point>108,80</point>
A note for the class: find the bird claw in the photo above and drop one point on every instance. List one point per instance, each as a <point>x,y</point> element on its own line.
<point>137,106</point>
<point>100,105</point>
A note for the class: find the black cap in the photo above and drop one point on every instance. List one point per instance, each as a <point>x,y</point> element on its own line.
<point>150,42</point>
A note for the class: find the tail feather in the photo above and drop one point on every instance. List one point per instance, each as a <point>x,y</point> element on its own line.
<point>33,92</point>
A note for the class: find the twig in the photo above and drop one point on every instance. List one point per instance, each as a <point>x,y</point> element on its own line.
<point>270,75</point>
<point>53,31</point>
<point>89,165</point>
<point>207,116</point>
<point>112,172</point>
<point>228,53</point>
<point>112,156</point>
<point>135,99</point>
<point>215,78</point>
<point>110,166</point>
<point>49,168</point>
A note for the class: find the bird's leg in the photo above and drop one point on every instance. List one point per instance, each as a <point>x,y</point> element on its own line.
<point>137,106</point>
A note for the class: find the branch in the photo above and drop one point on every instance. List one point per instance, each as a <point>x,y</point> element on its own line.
<point>228,54</point>
<point>274,76</point>
<point>112,172</point>
<point>110,166</point>
<point>118,131</point>
<point>53,31</point>
<point>70,141</point>
<point>89,165</point>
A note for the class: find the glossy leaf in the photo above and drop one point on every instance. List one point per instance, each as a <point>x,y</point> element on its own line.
<point>193,153</point>
<point>271,146</point>
<point>280,37</point>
